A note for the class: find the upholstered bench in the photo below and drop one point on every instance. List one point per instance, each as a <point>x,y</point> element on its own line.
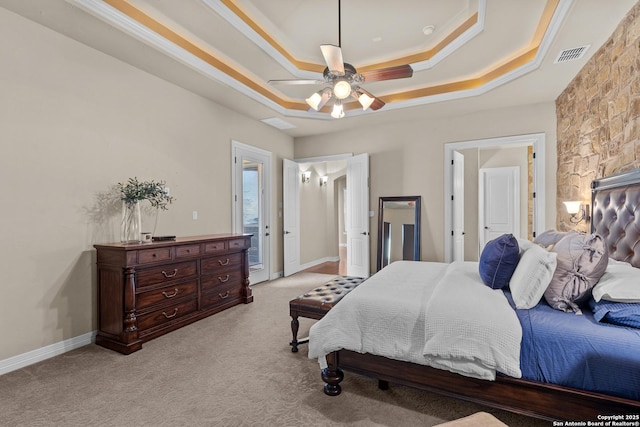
<point>317,302</point>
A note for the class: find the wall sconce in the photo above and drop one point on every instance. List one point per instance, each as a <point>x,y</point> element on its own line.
<point>306,177</point>
<point>323,180</point>
<point>579,212</point>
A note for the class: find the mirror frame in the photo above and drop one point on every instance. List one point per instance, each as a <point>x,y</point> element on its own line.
<point>416,228</point>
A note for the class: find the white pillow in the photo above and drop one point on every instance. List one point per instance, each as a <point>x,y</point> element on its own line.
<point>619,283</point>
<point>525,244</point>
<point>532,276</point>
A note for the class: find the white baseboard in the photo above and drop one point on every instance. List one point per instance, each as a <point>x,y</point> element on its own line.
<point>319,261</point>
<point>44,353</point>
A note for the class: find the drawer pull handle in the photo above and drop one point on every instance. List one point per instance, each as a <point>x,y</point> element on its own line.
<point>225,279</point>
<point>224,263</point>
<point>175,292</point>
<point>223,296</point>
<point>169,316</point>
<point>169,276</point>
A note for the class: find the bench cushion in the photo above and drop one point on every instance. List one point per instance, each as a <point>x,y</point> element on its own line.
<point>324,297</point>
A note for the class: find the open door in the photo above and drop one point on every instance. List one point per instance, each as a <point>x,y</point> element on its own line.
<point>251,194</point>
<point>458,206</point>
<point>291,216</point>
<point>357,218</point>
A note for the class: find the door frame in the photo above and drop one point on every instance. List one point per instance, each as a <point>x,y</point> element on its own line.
<point>335,157</point>
<point>266,158</point>
<point>536,140</point>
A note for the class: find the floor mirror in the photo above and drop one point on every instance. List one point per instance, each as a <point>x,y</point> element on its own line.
<point>398,229</point>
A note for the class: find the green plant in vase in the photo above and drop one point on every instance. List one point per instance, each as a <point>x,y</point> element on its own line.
<point>132,193</point>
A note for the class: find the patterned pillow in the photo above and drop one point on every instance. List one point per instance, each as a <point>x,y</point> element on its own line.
<point>498,261</point>
<point>582,260</point>
<point>551,237</point>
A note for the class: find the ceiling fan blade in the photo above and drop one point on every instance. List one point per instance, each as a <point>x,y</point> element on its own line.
<point>377,103</point>
<point>295,82</point>
<point>398,72</point>
<point>333,57</point>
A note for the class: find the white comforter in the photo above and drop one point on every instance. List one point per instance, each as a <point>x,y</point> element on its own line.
<point>434,314</point>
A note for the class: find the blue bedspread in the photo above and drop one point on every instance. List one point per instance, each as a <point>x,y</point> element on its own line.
<point>577,351</point>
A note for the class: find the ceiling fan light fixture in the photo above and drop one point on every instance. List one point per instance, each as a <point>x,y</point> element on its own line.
<point>314,101</point>
<point>338,111</point>
<point>365,100</point>
<point>342,89</point>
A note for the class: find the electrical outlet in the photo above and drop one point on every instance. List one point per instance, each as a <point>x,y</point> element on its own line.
<point>194,215</point>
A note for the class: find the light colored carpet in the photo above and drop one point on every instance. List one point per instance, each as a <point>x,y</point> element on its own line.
<point>232,369</point>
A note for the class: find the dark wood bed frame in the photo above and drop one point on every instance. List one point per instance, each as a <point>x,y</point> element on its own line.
<point>615,216</point>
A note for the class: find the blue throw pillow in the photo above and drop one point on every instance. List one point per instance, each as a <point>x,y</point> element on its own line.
<point>499,260</point>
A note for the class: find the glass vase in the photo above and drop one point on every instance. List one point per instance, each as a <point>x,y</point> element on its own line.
<point>131,223</point>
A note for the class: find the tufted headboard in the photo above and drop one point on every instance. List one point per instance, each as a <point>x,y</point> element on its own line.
<point>615,203</point>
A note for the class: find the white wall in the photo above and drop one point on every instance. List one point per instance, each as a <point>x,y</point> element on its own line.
<point>74,122</point>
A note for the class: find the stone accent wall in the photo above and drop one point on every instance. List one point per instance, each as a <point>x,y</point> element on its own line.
<point>599,118</point>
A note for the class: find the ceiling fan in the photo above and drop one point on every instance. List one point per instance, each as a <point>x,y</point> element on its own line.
<point>344,80</point>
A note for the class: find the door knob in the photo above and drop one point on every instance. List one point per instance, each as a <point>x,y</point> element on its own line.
<point>287,232</point>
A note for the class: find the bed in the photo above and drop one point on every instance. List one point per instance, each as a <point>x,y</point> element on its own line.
<point>535,390</point>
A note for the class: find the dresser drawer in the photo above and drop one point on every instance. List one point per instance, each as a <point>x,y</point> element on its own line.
<point>187,251</point>
<point>221,263</point>
<point>223,279</point>
<point>166,273</point>
<point>167,314</point>
<point>166,294</point>
<point>146,256</point>
<point>215,247</point>
<point>239,243</point>
<point>222,295</point>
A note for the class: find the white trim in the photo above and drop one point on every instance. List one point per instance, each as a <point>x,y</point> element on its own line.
<point>233,19</point>
<point>44,353</point>
<point>458,42</point>
<point>318,262</point>
<point>121,21</point>
<point>537,140</point>
<point>330,158</point>
<point>284,62</point>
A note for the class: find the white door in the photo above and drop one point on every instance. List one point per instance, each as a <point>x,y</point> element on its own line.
<point>357,218</point>
<point>291,216</point>
<point>251,183</point>
<point>458,206</point>
<point>499,203</point>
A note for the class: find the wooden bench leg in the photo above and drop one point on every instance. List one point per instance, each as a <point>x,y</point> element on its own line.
<point>294,331</point>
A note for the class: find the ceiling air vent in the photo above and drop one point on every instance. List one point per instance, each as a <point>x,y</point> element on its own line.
<point>278,123</point>
<point>571,54</point>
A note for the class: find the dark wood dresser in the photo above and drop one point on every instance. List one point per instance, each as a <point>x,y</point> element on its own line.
<point>147,290</point>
